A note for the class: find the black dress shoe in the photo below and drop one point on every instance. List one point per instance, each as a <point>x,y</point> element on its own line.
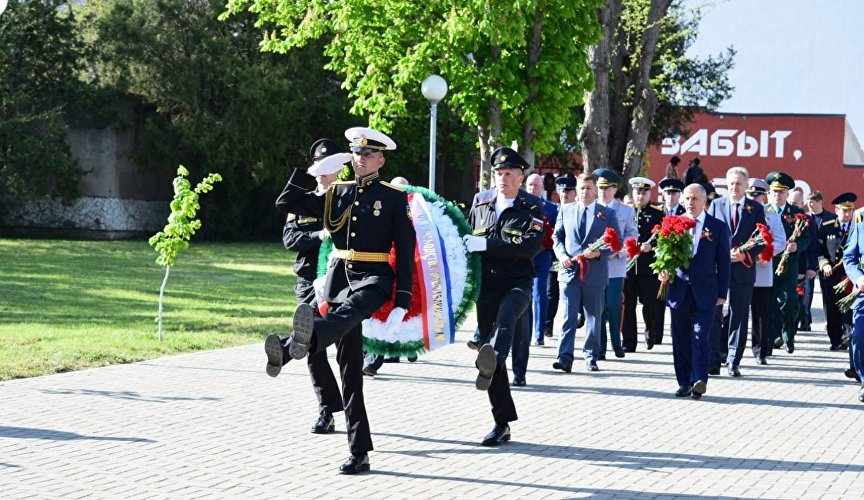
<point>778,342</point>
<point>355,464</point>
<point>790,347</point>
<point>762,361</point>
<point>601,357</point>
<point>658,341</point>
<point>851,373</point>
<point>805,327</point>
<point>472,345</point>
<point>412,358</point>
<point>275,355</point>
<point>499,435</point>
<point>369,371</point>
<point>699,388</point>
<point>547,332</point>
<point>629,349</point>
<point>591,366</point>
<point>564,368</point>
<point>540,341</point>
<point>714,370</point>
<point>649,341</point>
<point>325,423</point>
<point>486,363</point>
<point>518,382</point>
<point>683,391</point>
<point>619,353</point>
<point>835,348</point>
<point>301,339</point>
<point>580,321</point>
<point>392,360</point>
<point>732,370</point>
<point>845,342</point>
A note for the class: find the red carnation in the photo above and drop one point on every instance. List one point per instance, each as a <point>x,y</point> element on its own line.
<point>610,238</point>
<point>767,253</point>
<point>632,247</point>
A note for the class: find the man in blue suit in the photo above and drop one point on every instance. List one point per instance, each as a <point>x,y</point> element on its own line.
<point>740,216</point>
<point>584,274</point>
<point>694,294</point>
<point>853,263</point>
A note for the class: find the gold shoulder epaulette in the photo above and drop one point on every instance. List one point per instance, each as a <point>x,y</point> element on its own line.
<point>341,182</point>
<point>658,206</point>
<point>392,186</point>
<point>832,222</point>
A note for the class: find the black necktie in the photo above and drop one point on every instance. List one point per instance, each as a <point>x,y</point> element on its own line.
<point>582,223</point>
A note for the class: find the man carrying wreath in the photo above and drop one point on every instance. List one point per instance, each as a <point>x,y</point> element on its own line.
<point>694,292</point>
<point>584,271</point>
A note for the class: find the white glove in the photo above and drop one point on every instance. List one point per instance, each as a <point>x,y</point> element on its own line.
<point>394,320</point>
<point>323,234</point>
<point>474,243</point>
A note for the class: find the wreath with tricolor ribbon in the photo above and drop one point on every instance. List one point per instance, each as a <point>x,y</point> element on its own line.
<point>446,280</point>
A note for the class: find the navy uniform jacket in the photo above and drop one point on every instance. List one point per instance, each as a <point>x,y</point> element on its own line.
<point>375,217</point>
<point>301,234</point>
<point>853,255</point>
<point>512,240</point>
<point>751,213</point>
<point>832,240</point>
<point>646,218</point>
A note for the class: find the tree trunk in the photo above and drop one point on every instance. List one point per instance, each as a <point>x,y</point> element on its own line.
<point>646,103</point>
<point>535,48</point>
<point>161,295</point>
<point>619,116</point>
<point>595,131</point>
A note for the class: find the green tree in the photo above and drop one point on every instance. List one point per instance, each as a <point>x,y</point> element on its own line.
<point>515,69</point>
<point>647,87</point>
<point>212,101</point>
<point>41,56</point>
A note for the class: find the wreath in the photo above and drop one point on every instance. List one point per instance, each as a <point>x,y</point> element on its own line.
<point>446,280</point>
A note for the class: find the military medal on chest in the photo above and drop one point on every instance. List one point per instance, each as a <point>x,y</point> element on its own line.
<point>377,207</point>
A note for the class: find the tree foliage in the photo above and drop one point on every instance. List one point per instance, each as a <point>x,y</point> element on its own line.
<point>515,68</point>
<point>41,56</point>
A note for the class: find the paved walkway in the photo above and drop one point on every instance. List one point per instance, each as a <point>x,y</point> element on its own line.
<point>213,425</point>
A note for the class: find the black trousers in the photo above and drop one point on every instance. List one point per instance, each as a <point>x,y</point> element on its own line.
<point>762,309</point>
<point>833,316</point>
<point>499,308</point>
<point>341,326</point>
<point>323,381</point>
<point>645,288</point>
<point>554,297</point>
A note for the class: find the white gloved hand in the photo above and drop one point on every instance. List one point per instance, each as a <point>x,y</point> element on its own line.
<point>323,235</point>
<point>474,243</point>
<point>394,320</point>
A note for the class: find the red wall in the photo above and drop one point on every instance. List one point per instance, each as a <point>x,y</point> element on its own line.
<point>807,147</point>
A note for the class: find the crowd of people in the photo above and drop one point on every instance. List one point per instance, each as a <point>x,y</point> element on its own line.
<point>753,256</point>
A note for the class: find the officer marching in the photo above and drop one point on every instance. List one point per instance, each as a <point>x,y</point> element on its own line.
<point>832,238</point>
<point>508,231</point>
<point>365,218</point>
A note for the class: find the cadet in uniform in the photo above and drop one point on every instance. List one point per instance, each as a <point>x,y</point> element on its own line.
<point>508,231</point>
<point>786,303</point>
<point>641,282</point>
<point>365,218</point>
<point>832,239</point>
<point>304,235</point>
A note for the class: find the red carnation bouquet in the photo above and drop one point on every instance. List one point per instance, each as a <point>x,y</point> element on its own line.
<point>634,248</point>
<point>801,223</point>
<point>761,236</point>
<point>609,241</point>
<point>674,246</point>
<point>846,287</point>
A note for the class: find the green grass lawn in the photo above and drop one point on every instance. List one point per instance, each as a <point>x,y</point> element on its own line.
<point>67,305</point>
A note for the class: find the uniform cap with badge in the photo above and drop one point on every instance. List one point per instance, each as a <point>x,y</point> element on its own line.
<point>671,184</point>
<point>508,158</point>
<point>641,183</point>
<point>779,181</point>
<point>606,178</point>
<point>565,182</point>
<point>367,140</point>
<point>756,186</point>
<point>845,200</point>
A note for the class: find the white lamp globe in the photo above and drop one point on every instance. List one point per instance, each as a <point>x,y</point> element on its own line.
<point>434,88</point>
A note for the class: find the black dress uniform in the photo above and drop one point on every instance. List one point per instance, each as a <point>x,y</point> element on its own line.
<point>641,283</point>
<point>513,239</point>
<point>833,235</point>
<point>365,218</point>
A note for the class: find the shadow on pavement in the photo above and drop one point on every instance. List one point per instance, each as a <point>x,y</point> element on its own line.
<point>51,435</point>
<point>130,395</point>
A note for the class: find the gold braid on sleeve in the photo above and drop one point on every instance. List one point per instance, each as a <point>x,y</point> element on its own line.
<point>331,225</point>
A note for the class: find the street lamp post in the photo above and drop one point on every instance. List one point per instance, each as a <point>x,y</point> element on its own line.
<point>434,89</point>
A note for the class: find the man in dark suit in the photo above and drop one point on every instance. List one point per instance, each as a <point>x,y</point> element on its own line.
<point>786,297</point>
<point>740,216</point>
<point>853,262</point>
<point>304,234</point>
<point>584,273</point>
<point>833,234</point>
<point>508,232</point>
<point>694,294</point>
<point>365,218</point>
